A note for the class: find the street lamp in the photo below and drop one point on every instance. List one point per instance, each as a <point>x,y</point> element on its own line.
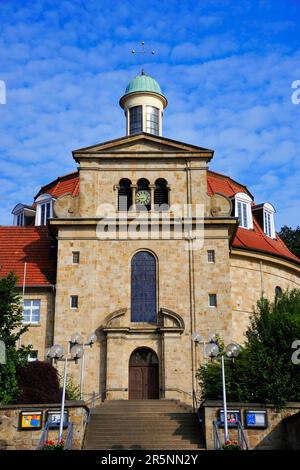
<point>77,342</point>
<point>57,353</point>
<point>231,351</point>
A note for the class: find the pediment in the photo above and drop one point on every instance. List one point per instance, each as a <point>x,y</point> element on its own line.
<point>142,143</point>
<point>168,322</point>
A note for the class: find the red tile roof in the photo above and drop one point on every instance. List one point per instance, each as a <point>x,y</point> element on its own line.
<point>218,183</point>
<point>32,243</point>
<point>62,185</point>
<point>254,239</point>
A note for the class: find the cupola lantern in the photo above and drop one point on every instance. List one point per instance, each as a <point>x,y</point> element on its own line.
<point>143,103</point>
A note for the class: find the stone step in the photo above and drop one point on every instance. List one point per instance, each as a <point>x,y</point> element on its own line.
<point>145,425</point>
<point>138,407</point>
<point>141,412</point>
<point>128,441</point>
<point>143,447</point>
<point>163,427</point>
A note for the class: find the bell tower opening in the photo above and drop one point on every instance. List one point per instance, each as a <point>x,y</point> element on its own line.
<point>143,104</point>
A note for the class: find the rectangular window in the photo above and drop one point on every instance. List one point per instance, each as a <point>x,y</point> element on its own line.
<point>135,120</point>
<point>74,301</point>
<point>211,256</point>
<point>33,356</point>
<point>31,312</point>
<point>152,120</point>
<point>268,229</point>
<point>75,257</point>
<point>242,213</point>
<point>212,300</point>
<point>45,211</point>
<point>20,220</point>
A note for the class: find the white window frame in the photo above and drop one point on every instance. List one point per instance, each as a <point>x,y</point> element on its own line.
<point>268,220</point>
<point>43,200</point>
<point>31,308</point>
<point>244,201</point>
<point>18,211</point>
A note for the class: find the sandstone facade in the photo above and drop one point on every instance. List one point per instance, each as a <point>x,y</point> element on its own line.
<point>185,277</point>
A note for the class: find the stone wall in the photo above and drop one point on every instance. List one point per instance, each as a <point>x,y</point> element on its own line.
<point>11,438</point>
<point>283,431</point>
<point>251,275</point>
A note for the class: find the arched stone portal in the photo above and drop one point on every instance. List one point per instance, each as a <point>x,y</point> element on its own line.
<point>143,375</point>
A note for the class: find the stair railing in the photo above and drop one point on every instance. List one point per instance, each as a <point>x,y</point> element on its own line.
<point>197,410</point>
<point>242,440</point>
<point>68,442</point>
<point>69,437</point>
<point>217,440</point>
<point>44,436</point>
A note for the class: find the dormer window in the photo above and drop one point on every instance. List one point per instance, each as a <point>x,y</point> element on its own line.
<point>23,215</point>
<point>44,209</point>
<point>243,210</point>
<point>269,225</point>
<point>264,214</point>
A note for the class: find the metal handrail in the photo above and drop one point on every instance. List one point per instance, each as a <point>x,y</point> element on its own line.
<point>69,437</point>
<point>45,434</point>
<point>242,440</point>
<point>217,441</point>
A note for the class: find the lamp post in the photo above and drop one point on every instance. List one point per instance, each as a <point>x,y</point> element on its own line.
<point>57,353</point>
<point>76,339</point>
<point>231,351</point>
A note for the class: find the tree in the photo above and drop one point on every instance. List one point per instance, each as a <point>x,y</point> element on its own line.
<point>291,238</point>
<point>39,383</point>
<point>264,371</point>
<point>11,329</point>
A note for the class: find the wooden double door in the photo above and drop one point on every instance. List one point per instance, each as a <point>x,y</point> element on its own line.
<point>143,375</point>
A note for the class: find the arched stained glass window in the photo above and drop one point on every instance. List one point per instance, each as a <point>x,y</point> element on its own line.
<point>143,288</point>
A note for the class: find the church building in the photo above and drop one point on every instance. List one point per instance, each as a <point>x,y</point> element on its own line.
<point>149,248</point>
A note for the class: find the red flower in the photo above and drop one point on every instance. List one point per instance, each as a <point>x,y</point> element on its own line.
<point>227,443</point>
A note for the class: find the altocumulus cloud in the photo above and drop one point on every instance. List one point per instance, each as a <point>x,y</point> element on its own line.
<point>225,66</point>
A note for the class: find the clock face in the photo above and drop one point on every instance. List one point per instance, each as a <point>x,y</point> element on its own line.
<point>143,197</point>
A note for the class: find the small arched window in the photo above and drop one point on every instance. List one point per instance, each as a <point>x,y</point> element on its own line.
<point>143,287</point>
<point>124,195</point>
<point>161,195</point>
<point>278,292</point>
<point>143,195</point>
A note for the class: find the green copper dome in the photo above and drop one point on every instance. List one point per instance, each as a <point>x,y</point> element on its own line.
<point>143,83</point>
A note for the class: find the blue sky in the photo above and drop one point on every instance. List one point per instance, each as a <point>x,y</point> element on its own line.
<point>226,67</point>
